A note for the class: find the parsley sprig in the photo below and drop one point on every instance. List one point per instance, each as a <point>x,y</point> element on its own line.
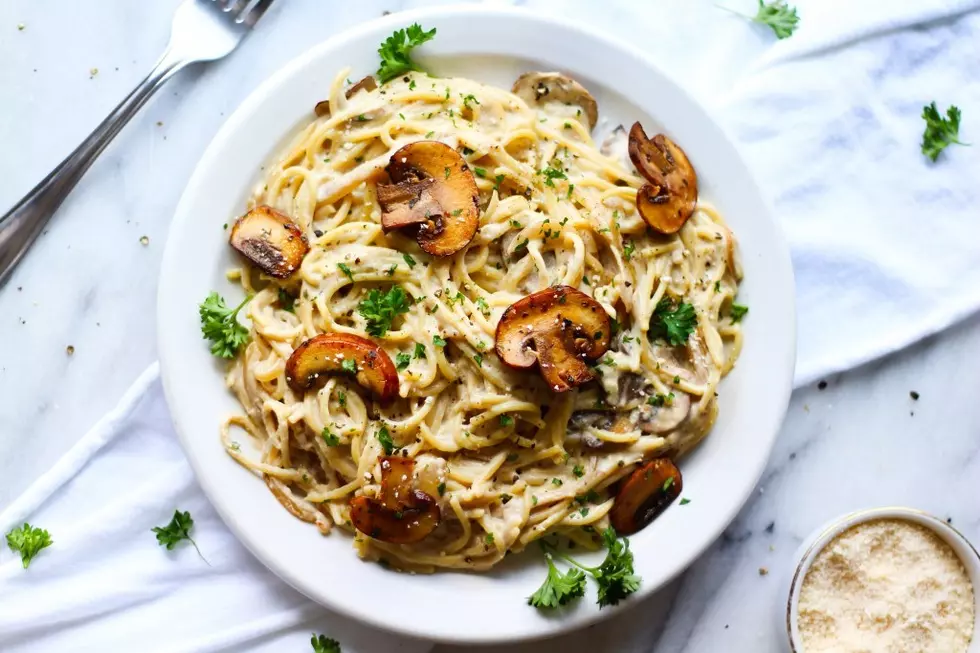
<point>220,325</point>
<point>178,530</point>
<point>558,588</point>
<point>614,578</point>
<point>940,132</point>
<point>323,644</point>
<point>28,541</point>
<point>673,323</point>
<point>395,52</point>
<point>381,309</point>
<point>778,15</point>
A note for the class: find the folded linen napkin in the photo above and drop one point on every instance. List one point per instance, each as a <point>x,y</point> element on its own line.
<point>105,584</point>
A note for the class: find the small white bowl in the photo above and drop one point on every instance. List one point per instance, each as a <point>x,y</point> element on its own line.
<point>788,615</point>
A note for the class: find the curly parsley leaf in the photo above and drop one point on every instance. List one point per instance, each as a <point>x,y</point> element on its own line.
<point>558,588</point>
<point>673,323</point>
<point>940,132</point>
<point>381,309</point>
<point>220,325</point>
<point>615,576</point>
<point>178,530</point>
<point>28,541</point>
<point>323,644</point>
<point>395,52</point>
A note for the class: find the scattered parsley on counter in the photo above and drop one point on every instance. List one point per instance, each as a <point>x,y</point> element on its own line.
<point>737,312</point>
<point>685,501</point>
<point>558,588</point>
<point>673,323</point>
<point>220,325</point>
<point>381,309</point>
<point>28,541</point>
<point>940,132</point>
<point>323,644</point>
<point>395,52</point>
<point>778,15</point>
<point>384,437</point>
<point>178,530</point>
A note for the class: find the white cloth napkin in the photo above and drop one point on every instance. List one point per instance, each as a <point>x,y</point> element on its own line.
<point>105,584</point>
<point>884,248</point>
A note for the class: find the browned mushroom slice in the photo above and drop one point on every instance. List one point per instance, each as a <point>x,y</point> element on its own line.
<point>270,240</point>
<point>645,494</point>
<point>433,193</point>
<point>669,199</point>
<point>322,108</point>
<point>541,88</point>
<point>558,329</point>
<point>366,84</point>
<point>403,514</point>
<point>339,353</point>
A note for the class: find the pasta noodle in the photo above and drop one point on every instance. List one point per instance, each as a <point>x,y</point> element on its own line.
<point>508,459</point>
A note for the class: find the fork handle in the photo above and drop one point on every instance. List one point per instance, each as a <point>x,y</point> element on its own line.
<point>20,226</point>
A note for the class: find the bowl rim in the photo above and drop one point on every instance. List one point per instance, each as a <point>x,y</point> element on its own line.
<point>817,541</point>
<point>173,336</point>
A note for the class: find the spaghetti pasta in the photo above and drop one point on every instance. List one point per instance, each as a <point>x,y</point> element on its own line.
<point>507,459</point>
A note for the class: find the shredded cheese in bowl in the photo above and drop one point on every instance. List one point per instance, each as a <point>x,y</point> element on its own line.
<point>883,586</point>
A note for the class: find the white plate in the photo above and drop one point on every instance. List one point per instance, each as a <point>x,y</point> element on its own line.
<point>491,45</point>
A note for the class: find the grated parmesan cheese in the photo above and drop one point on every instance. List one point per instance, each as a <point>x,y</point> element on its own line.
<point>886,586</point>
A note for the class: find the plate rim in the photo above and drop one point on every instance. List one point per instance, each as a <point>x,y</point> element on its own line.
<point>182,215</point>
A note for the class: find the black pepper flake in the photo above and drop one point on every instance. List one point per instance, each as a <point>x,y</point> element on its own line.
<point>822,385</point>
<point>771,527</point>
<point>914,395</point>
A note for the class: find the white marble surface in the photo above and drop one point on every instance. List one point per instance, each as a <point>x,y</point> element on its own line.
<point>91,284</point>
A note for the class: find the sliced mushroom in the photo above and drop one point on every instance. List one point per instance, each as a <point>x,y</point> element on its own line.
<point>669,199</point>
<point>322,108</point>
<point>403,514</point>
<point>433,193</point>
<point>327,353</point>
<point>366,84</point>
<point>666,418</point>
<point>542,88</point>
<point>645,494</point>
<point>558,329</point>
<point>270,240</point>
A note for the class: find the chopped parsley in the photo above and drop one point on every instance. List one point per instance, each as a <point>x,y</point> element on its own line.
<point>506,420</point>
<point>673,323</point>
<point>409,260</point>
<point>331,439</point>
<point>579,471</point>
<point>346,270</point>
<point>402,360</point>
<point>737,312</point>
<point>381,309</point>
<point>438,341</point>
<point>349,365</point>
<point>385,439</point>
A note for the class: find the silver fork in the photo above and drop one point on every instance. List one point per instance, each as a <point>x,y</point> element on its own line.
<point>202,30</point>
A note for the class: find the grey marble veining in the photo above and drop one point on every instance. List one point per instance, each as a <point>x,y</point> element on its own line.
<point>91,284</point>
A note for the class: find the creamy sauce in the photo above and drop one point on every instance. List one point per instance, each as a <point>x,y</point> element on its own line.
<point>886,586</point>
